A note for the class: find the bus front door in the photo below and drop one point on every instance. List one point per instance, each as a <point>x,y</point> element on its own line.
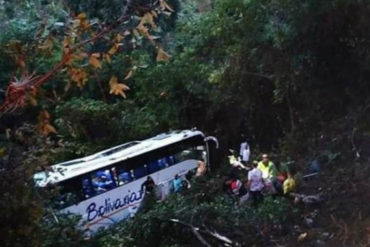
<point>211,145</point>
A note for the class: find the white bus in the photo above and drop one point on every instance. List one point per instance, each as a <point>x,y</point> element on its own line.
<point>106,187</point>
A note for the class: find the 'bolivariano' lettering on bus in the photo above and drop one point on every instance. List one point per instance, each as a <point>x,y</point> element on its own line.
<point>94,211</point>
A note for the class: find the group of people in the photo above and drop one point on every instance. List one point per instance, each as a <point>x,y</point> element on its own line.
<point>178,183</point>
<point>263,177</point>
<point>149,188</point>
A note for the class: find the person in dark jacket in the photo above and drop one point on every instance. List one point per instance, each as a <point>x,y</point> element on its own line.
<point>150,198</point>
<point>148,185</point>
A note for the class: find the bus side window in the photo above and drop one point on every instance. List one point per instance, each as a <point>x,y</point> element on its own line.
<point>170,160</point>
<point>102,181</point>
<point>69,193</point>
<point>186,154</point>
<point>87,188</point>
<point>124,176</point>
<point>140,172</point>
<point>179,157</point>
<point>162,163</point>
<point>153,166</point>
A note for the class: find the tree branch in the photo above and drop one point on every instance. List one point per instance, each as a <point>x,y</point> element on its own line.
<point>15,99</point>
<point>196,231</point>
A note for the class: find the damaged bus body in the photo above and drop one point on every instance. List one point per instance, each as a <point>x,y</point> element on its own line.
<point>105,187</point>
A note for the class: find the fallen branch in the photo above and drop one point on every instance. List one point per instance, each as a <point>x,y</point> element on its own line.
<point>311,175</point>
<point>199,237</point>
<point>309,199</point>
<point>196,231</point>
<point>218,236</point>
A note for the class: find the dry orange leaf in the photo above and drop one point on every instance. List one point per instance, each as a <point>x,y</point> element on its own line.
<point>147,18</point>
<point>32,100</point>
<point>79,76</point>
<point>154,13</point>
<point>117,88</point>
<point>118,38</point>
<point>129,74</point>
<point>96,54</point>
<point>85,25</point>
<point>45,127</point>
<point>94,61</point>
<point>81,16</point>
<point>162,56</point>
<point>66,45</point>
<point>107,58</point>
<point>113,50</point>
<point>79,56</point>
<point>164,5</point>
<point>145,32</point>
<point>66,42</point>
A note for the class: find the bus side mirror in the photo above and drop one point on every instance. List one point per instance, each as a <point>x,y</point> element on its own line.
<point>213,139</point>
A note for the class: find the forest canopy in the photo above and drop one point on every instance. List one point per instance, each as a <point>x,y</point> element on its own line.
<point>80,76</point>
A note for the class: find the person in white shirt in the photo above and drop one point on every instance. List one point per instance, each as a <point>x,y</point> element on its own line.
<point>242,147</point>
<point>255,184</point>
<point>244,152</point>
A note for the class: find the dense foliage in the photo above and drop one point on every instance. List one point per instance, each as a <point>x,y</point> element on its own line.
<point>293,76</point>
<point>218,214</point>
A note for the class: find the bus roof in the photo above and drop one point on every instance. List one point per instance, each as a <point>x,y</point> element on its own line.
<point>66,170</point>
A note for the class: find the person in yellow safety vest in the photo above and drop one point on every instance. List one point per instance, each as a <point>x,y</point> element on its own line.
<point>289,184</point>
<point>267,167</point>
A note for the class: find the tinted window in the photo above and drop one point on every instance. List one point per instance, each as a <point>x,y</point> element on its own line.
<point>67,193</point>
<point>163,163</point>
<point>124,175</point>
<point>153,166</point>
<point>140,172</point>
<point>87,188</point>
<point>170,160</point>
<point>102,181</point>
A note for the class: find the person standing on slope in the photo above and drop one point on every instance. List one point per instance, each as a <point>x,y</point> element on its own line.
<point>269,174</point>
<point>244,152</point>
<point>267,167</point>
<point>255,184</point>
